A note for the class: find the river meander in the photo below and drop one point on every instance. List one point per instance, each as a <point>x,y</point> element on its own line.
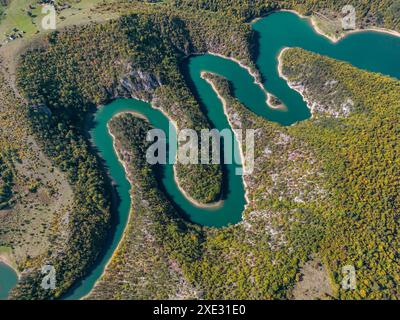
<point>373,51</point>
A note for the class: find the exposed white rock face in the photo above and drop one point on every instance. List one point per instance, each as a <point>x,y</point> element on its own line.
<point>330,83</point>
<point>138,84</point>
<point>318,103</point>
<point>282,139</point>
<point>346,107</point>
<point>267,151</point>
<point>262,222</point>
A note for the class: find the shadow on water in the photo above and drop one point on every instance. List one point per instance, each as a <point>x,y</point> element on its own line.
<point>111,185</point>
<point>255,49</point>
<point>184,69</point>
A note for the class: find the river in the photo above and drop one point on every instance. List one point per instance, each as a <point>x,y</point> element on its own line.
<point>373,51</point>
<point>8,279</point>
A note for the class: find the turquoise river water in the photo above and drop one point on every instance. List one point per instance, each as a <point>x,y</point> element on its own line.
<point>373,51</point>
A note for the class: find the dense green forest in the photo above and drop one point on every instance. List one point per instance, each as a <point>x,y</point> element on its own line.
<point>384,13</point>
<point>90,65</point>
<point>360,154</point>
<point>6,181</point>
<point>157,241</point>
<point>80,76</point>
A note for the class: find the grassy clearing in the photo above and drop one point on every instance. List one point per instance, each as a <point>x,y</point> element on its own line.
<point>15,16</point>
<point>5,250</point>
<point>42,196</point>
<point>26,15</point>
<point>7,256</point>
<point>332,28</point>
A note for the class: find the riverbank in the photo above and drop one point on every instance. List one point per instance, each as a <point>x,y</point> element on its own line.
<point>225,108</point>
<point>118,151</point>
<point>130,180</point>
<point>335,39</point>
<point>135,114</point>
<point>256,76</point>
<point>176,179</point>
<point>291,85</point>
<point>280,73</point>
<point>7,259</point>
